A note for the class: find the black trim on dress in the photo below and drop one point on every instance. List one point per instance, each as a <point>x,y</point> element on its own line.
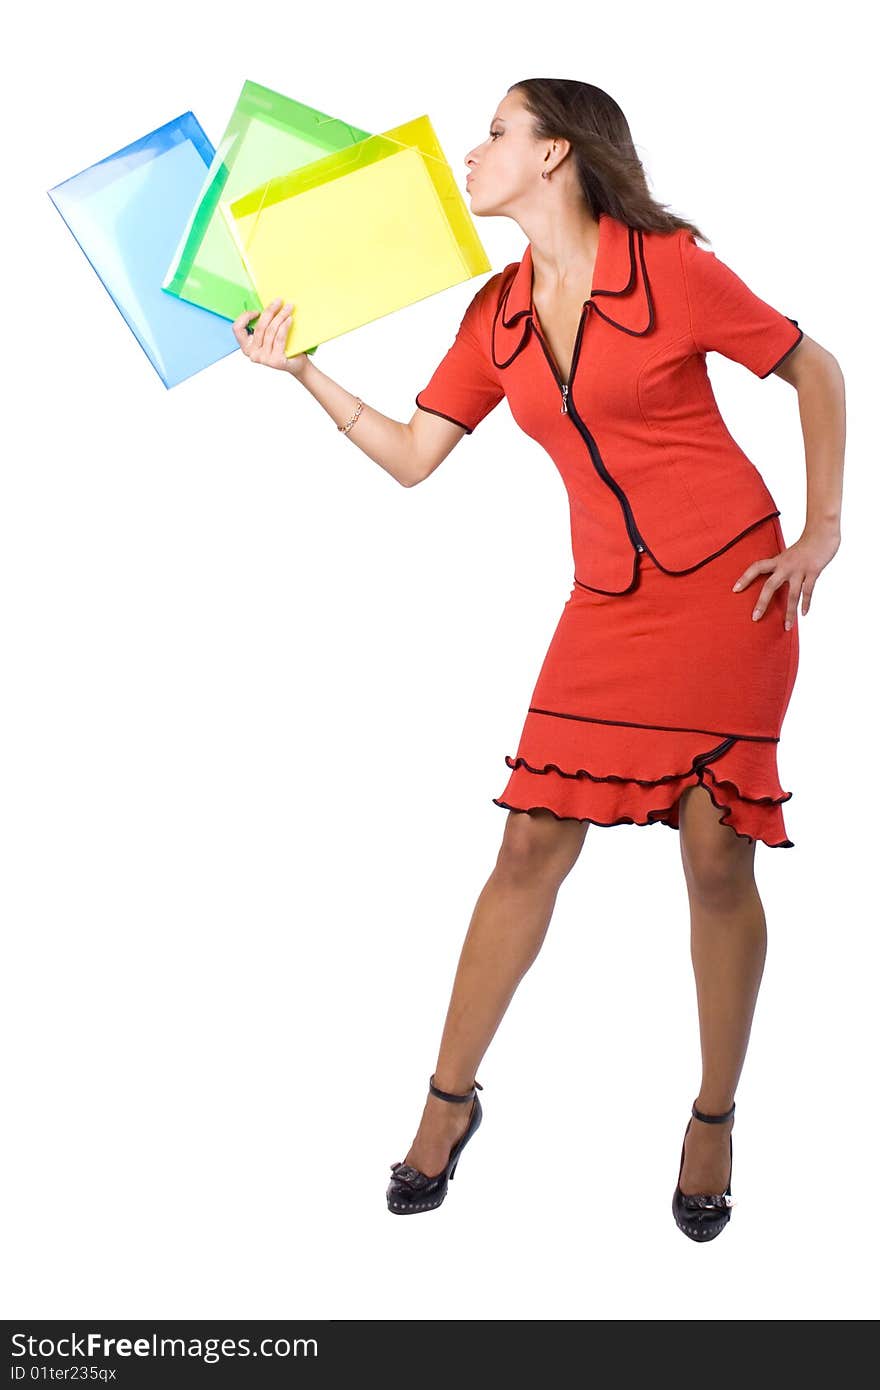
<point>656,816</point>
<point>443,416</point>
<point>788,351</point>
<point>690,568</point>
<point>666,728</point>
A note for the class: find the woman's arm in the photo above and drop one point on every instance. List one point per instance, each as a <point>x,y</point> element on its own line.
<point>815,373</point>
<point>408,451</point>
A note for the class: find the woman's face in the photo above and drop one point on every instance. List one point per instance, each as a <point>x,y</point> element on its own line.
<point>505,166</point>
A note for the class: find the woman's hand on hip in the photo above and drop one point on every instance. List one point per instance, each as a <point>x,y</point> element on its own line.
<point>799,566</point>
<point>264,343</point>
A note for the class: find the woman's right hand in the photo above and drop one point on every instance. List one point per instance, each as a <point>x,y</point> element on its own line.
<point>264,343</point>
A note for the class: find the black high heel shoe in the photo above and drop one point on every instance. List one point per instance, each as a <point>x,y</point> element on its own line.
<point>702,1216</point>
<point>411,1191</point>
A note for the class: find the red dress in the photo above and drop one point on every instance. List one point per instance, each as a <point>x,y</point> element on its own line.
<point>656,677</point>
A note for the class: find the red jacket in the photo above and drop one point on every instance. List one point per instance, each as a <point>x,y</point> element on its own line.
<point>646,458</point>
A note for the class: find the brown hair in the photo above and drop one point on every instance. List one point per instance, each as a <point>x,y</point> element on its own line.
<point>609,170</point>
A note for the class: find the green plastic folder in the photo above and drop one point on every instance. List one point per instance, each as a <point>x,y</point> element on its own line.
<point>267,135</point>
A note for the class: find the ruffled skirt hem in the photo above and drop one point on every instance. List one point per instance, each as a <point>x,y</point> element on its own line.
<point>739,773</point>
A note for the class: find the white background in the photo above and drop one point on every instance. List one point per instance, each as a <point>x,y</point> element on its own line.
<point>256,701</point>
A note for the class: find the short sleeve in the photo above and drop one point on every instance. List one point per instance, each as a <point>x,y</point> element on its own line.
<point>465,385</point>
<point>727,317</point>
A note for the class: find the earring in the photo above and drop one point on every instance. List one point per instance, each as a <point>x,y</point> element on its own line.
<point>545,174</point>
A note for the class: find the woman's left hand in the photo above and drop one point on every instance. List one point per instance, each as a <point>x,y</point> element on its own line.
<point>799,566</point>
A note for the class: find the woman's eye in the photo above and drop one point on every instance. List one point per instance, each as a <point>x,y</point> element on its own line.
<point>493,133</point>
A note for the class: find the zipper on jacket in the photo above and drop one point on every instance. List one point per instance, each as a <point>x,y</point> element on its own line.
<point>635,538</point>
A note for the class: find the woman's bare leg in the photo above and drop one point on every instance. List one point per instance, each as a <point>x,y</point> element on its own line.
<point>728,948</point>
<point>506,932</point>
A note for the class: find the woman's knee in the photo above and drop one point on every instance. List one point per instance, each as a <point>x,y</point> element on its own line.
<point>718,863</point>
<point>539,843</point>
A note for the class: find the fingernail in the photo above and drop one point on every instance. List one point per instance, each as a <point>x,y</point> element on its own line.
<point>737,585</point>
<point>787,625</point>
<point>756,614</point>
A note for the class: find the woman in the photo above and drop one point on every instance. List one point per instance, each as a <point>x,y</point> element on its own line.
<point>661,697</point>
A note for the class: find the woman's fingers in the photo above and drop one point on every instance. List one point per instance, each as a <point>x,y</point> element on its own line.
<point>757,567</point>
<point>263,322</point>
<point>266,341</point>
<point>799,566</point>
<point>795,586</point>
<point>775,579</point>
<point>240,326</point>
<point>281,326</point>
<point>767,592</point>
<point>794,594</point>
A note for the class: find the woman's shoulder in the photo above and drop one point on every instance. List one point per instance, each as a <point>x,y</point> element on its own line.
<point>480,313</point>
<point>494,288</point>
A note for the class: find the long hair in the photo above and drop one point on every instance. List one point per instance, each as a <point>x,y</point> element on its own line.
<point>609,171</point>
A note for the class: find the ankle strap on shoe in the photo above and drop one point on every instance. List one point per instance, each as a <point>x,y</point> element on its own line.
<point>448,1095</point>
<point>712,1119</point>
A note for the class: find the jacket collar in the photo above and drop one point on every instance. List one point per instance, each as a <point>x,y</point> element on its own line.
<point>620,277</point>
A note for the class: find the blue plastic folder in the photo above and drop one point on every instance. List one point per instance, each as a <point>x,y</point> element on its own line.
<point>127,213</point>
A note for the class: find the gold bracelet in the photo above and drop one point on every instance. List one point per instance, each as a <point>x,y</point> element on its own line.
<point>360,406</point>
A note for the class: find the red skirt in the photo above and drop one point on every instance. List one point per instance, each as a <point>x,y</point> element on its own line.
<point>668,686</point>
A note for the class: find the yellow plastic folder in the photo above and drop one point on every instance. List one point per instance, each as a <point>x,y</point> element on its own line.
<point>358,234</point>
<point>267,134</point>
